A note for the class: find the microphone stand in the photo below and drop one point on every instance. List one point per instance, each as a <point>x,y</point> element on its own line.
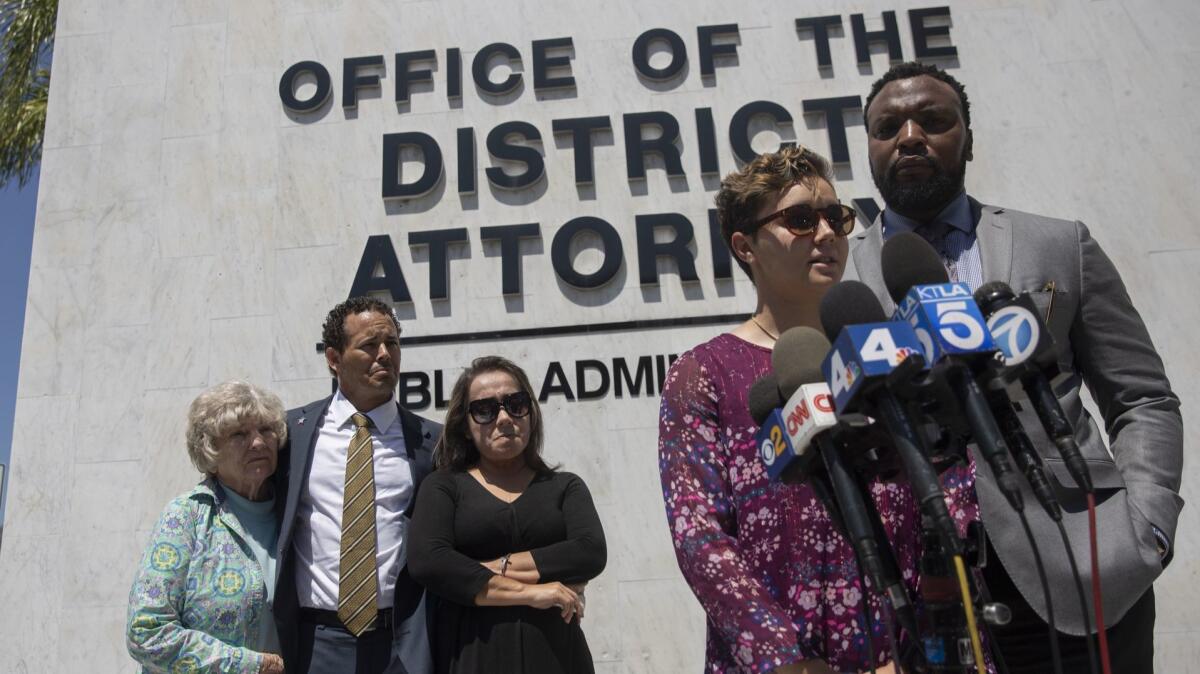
<point>949,635</point>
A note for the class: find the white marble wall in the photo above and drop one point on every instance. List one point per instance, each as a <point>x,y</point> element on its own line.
<point>190,231</point>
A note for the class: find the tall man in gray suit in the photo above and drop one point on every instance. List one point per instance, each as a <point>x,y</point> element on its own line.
<point>919,127</point>
<point>344,601</point>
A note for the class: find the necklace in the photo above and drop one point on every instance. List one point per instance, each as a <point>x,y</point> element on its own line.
<point>766,332</point>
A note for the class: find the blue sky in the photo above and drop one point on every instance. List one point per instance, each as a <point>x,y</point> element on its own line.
<point>16,238</point>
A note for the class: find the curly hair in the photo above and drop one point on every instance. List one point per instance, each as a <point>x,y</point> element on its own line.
<point>333,331</point>
<point>744,192</point>
<point>217,411</point>
<point>904,71</point>
<point>455,450</point>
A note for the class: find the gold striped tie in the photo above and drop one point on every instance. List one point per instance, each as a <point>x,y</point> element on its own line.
<point>356,569</point>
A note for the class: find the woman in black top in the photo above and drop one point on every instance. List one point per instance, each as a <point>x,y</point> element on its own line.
<point>504,541</point>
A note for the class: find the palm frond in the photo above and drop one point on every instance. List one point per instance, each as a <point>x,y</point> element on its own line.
<point>25,47</point>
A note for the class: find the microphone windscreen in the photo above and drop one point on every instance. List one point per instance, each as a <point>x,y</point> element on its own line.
<point>989,293</point>
<point>764,397</point>
<point>908,260</point>
<point>797,358</point>
<point>849,303</point>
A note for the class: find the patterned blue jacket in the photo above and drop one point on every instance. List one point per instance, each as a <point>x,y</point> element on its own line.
<point>199,596</point>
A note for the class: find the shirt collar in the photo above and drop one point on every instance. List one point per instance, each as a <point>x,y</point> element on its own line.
<point>957,214</point>
<point>382,417</point>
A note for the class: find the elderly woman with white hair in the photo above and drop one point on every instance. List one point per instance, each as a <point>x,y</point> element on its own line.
<point>201,599</point>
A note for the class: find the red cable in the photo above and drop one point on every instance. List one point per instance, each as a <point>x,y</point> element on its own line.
<point>1097,599</point>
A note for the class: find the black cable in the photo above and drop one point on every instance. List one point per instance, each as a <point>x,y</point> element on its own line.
<point>1093,665</point>
<point>865,610</point>
<point>1055,654</point>
<point>893,632</point>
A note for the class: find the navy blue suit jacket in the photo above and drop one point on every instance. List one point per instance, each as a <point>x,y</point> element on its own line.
<point>295,461</point>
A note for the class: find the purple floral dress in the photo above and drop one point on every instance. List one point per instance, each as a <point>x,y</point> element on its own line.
<point>778,583</point>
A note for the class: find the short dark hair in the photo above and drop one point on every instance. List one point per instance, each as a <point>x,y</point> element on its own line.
<point>333,332</point>
<point>455,450</point>
<point>909,69</point>
<point>744,192</point>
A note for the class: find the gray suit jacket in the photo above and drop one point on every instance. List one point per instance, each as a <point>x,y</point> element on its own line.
<point>1102,342</point>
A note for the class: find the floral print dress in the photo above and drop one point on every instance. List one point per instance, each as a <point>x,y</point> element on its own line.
<point>777,581</point>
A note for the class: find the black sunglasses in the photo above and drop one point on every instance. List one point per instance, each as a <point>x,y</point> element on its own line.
<point>803,220</point>
<point>485,410</point>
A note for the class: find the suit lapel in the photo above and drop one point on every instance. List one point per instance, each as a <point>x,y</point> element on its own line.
<point>301,441</point>
<point>411,427</point>
<point>994,233</point>
<point>866,255</point>
<point>414,440</point>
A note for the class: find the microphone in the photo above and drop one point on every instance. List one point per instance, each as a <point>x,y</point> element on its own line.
<point>784,450</point>
<point>763,397</point>
<point>785,461</point>
<point>907,260</point>
<point>812,423</point>
<point>954,336</point>
<point>785,457</point>
<point>796,359</point>
<point>1026,456</point>
<point>868,352</point>
<point>1029,354</point>
<point>953,332</point>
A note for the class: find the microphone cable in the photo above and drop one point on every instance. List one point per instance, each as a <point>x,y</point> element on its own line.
<point>960,568</point>
<point>1055,652</point>
<point>1030,464</point>
<point>824,494</point>
<point>893,632</point>
<point>905,620</point>
<point>1087,618</point>
<point>1097,598</point>
<point>864,608</point>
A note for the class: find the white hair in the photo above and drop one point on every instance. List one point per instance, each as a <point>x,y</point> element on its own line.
<point>219,410</point>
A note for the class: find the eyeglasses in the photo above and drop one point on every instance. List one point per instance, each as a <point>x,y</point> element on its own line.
<point>485,410</point>
<point>803,220</point>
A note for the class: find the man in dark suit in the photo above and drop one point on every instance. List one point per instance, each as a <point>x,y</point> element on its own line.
<point>919,140</point>
<point>344,601</point>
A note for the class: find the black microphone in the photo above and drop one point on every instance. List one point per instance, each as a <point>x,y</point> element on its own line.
<point>796,359</point>
<point>852,303</point>
<point>954,326</point>
<point>907,260</point>
<point>1030,356</point>
<point>785,461</point>
<point>797,363</point>
<point>958,336</point>
<point>763,397</point>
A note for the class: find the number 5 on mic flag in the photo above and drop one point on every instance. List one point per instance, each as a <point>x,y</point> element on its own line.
<point>946,320</point>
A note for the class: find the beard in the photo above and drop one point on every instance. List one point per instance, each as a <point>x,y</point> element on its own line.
<point>930,194</point>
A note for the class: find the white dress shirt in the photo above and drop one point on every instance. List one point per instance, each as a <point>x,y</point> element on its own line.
<point>319,529</point>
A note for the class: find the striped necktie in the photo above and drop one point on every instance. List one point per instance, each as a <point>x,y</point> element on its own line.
<point>356,569</point>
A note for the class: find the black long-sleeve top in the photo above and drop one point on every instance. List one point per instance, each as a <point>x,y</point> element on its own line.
<point>457,523</point>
